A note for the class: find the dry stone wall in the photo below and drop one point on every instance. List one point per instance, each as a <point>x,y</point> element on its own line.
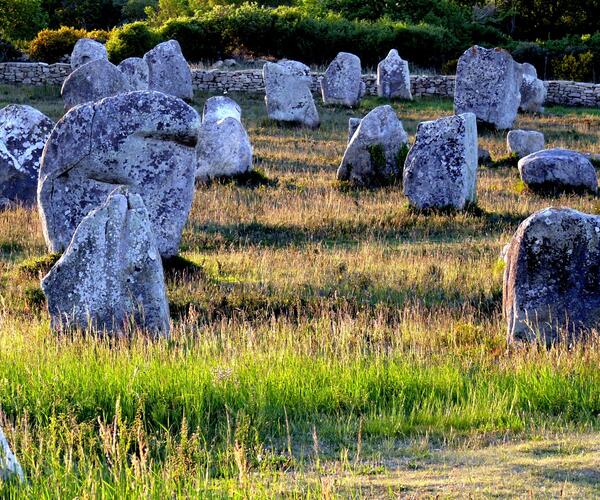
<point>218,81</point>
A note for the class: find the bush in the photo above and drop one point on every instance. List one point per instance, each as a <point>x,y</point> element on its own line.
<point>131,40</point>
<point>578,67</point>
<point>8,52</point>
<point>50,45</point>
<point>199,39</point>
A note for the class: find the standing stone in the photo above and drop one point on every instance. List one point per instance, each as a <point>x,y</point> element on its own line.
<point>111,273</point>
<point>85,51</point>
<point>143,140</point>
<point>224,148</point>
<point>524,142</point>
<point>168,70</point>
<point>353,124</point>
<point>533,90</point>
<point>488,83</point>
<point>288,96</point>
<point>9,465</point>
<point>552,277</point>
<point>23,134</point>
<point>393,77</point>
<point>558,169</point>
<point>136,72</point>
<point>441,168</point>
<point>342,83</point>
<point>372,155</point>
<point>93,81</point>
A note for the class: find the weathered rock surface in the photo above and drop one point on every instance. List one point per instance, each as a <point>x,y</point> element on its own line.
<point>9,465</point>
<point>342,83</point>
<point>168,70</point>
<point>23,133</point>
<point>552,277</point>
<point>224,148</point>
<point>143,140</point>
<point>558,169</point>
<point>393,77</point>
<point>353,124</point>
<point>136,72</point>
<point>488,83</point>
<point>441,168</point>
<point>111,274</point>
<point>524,142</point>
<point>288,96</point>
<point>372,155</point>
<point>483,156</point>
<point>533,90</point>
<point>93,81</point>
<point>87,50</point>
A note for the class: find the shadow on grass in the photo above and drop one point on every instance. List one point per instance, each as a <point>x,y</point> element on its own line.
<point>584,476</point>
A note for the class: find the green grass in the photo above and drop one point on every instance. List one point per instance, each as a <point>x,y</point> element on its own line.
<point>326,342</point>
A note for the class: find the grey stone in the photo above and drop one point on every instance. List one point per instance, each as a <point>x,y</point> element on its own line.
<point>219,107</point>
<point>524,142</point>
<point>533,90</point>
<point>143,140</point>
<point>483,156</point>
<point>136,72</point>
<point>93,81</point>
<point>342,83</point>
<point>488,83</point>
<point>85,51</point>
<point>393,77</point>
<point>230,62</point>
<point>353,124</point>
<point>441,168</point>
<point>558,169</point>
<point>372,154</point>
<point>9,464</point>
<point>23,135</point>
<point>552,277</point>
<point>169,72</point>
<point>111,273</point>
<point>288,97</point>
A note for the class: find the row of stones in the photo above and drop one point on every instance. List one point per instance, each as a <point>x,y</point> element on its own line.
<point>38,74</point>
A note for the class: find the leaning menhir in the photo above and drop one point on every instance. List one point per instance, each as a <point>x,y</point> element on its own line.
<point>533,90</point>
<point>111,273</point>
<point>488,83</point>
<point>441,168</point>
<point>372,154</point>
<point>23,135</point>
<point>342,82</point>
<point>552,277</point>
<point>288,96</point>
<point>168,71</point>
<point>143,140</point>
<point>85,51</point>
<point>393,77</point>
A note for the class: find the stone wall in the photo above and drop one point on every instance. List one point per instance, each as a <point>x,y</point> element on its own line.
<point>218,81</point>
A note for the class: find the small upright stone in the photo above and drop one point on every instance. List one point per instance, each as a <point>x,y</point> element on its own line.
<point>136,72</point>
<point>111,274</point>
<point>552,277</point>
<point>9,465</point>
<point>169,72</point>
<point>524,142</point>
<point>85,51</point>
<point>372,155</point>
<point>342,83</point>
<point>219,107</point>
<point>353,124</point>
<point>533,90</point>
<point>441,168</point>
<point>393,77</point>
<point>23,135</point>
<point>288,97</point>
<point>488,83</point>
<point>93,81</point>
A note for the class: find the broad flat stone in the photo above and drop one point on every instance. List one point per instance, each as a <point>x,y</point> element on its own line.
<point>168,70</point>
<point>136,72</point>
<point>85,51</point>
<point>342,82</point>
<point>393,77</point>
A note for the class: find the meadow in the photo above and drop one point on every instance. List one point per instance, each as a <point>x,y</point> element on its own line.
<point>327,341</point>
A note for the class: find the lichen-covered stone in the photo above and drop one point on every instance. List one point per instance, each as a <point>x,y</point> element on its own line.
<point>110,276</point>
<point>85,51</point>
<point>288,97</point>
<point>342,82</point>
<point>441,168</point>
<point>136,72</point>
<point>219,107</point>
<point>23,133</point>
<point>393,77</point>
<point>372,155</point>
<point>552,277</point>
<point>488,83</point>
<point>93,81</point>
<point>143,140</point>
<point>533,90</point>
<point>168,70</point>
<point>524,142</point>
<point>9,465</point>
<point>353,124</point>
<point>558,169</point>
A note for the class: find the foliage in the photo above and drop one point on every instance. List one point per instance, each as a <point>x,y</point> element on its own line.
<point>131,40</point>
<point>575,67</point>
<point>50,45</point>
<point>21,19</point>
<point>8,52</point>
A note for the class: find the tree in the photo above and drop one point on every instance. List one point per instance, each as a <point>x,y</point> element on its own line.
<point>21,19</point>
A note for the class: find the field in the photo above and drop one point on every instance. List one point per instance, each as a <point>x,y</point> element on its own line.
<point>326,342</point>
